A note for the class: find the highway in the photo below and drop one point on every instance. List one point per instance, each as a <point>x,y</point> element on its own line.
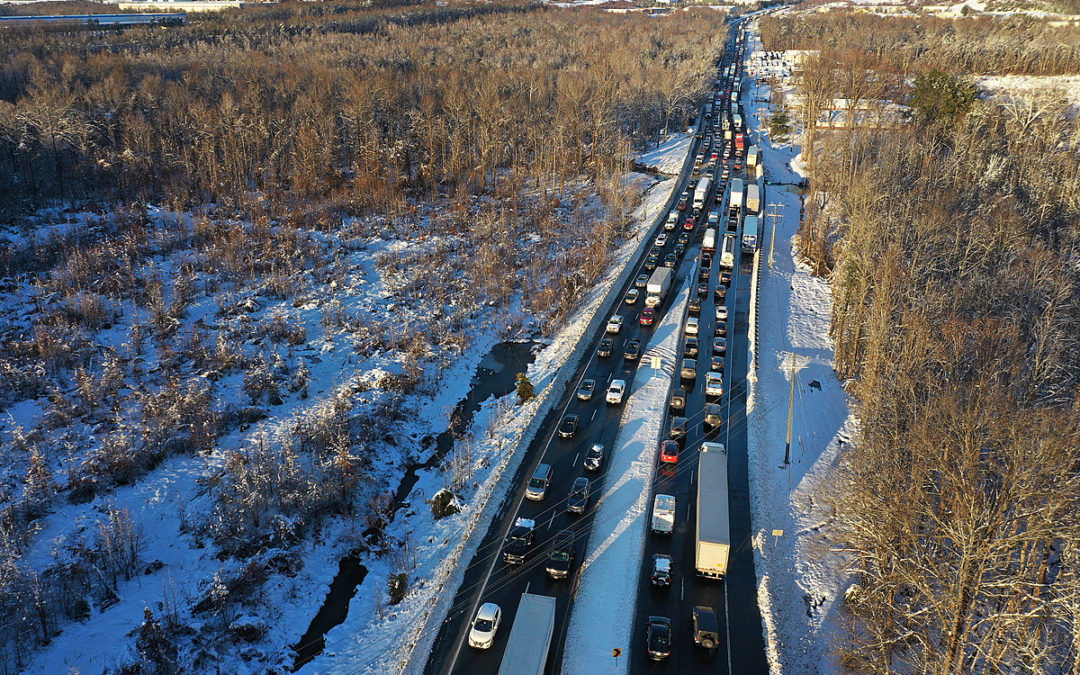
<point>489,579</point>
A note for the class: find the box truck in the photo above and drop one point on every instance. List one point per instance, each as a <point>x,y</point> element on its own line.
<point>713,543</point>
<point>701,192</point>
<point>737,190</point>
<point>530,637</point>
<point>750,233</point>
<point>658,286</point>
<point>753,198</point>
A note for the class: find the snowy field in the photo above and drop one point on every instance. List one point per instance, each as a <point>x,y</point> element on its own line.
<point>183,569</point>
<point>800,578</point>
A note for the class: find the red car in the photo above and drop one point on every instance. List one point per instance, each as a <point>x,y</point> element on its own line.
<point>669,452</point>
<point>688,224</point>
<point>648,315</point>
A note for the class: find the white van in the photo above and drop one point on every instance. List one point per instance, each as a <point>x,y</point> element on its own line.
<point>538,484</point>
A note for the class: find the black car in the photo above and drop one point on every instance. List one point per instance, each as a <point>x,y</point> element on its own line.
<point>694,307</point>
<point>720,293</point>
<point>703,290</point>
<point>651,262</point>
<point>606,345</point>
<point>721,328</point>
<point>578,499</point>
<point>716,364</point>
<point>706,629</point>
<point>683,238</point>
<point>678,401</point>
<point>690,347</point>
<point>680,249</point>
<point>586,390</point>
<point>659,638</point>
<point>561,558</point>
<point>725,278</point>
<point>568,426</point>
<point>670,260</point>
<point>642,281</point>
<point>518,541</point>
<point>703,275</point>
<point>633,350</point>
<point>706,260</point>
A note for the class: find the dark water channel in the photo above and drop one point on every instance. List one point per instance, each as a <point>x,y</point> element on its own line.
<point>495,376</point>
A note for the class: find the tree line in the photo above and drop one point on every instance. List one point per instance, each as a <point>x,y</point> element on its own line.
<point>951,244</point>
<point>1017,45</point>
<point>361,105</point>
<point>280,142</point>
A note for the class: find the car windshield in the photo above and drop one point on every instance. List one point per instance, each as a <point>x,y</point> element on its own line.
<point>536,483</point>
<point>483,625</point>
<point>561,556</point>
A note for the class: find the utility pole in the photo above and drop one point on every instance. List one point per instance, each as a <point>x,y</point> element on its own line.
<point>791,407</point>
<point>772,213</point>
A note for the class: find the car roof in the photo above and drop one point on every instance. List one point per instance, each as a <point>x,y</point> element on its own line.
<point>487,611</point>
<point>581,480</point>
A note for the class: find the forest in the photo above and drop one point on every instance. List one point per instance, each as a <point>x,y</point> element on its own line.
<point>951,245</point>
<point>176,201</point>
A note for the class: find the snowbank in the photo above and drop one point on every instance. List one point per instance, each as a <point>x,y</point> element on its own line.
<point>603,608</point>
<point>800,579</point>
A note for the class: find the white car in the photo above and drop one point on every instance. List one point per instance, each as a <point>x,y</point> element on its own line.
<point>482,634</point>
<point>661,240</point>
<point>714,384</point>
<point>672,220</point>
<point>615,391</point>
<point>692,325</point>
<point>614,324</point>
<point>721,313</point>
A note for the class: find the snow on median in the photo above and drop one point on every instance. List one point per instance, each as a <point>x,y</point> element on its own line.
<point>603,607</point>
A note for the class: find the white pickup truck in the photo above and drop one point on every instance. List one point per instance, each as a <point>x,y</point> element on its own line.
<point>663,514</point>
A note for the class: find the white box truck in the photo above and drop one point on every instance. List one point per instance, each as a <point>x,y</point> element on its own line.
<point>750,233</point>
<point>737,192</point>
<point>701,192</point>
<point>530,637</point>
<point>713,543</point>
<point>658,286</point>
<point>663,514</point>
<point>753,198</point>
<point>708,243</point>
<point>752,157</point>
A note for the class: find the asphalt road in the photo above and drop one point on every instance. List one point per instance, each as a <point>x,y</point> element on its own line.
<point>734,599</point>
<point>489,579</point>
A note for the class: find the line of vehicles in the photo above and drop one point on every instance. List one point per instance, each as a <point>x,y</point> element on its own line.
<point>712,545</point>
<point>530,637</point>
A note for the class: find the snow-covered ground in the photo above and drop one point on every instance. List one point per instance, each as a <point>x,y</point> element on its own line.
<point>668,157</point>
<point>603,608</point>
<point>380,637</point>
<point>402,640</point>
<point>996,87</point>
<point>800,578</point>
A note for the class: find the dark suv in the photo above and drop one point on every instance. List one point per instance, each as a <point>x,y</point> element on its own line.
<point>561,558</point>
<point>659,638</point>
<point>706,630</point>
